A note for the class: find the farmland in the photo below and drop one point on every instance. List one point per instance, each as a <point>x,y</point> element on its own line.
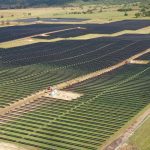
<point>108,101</point>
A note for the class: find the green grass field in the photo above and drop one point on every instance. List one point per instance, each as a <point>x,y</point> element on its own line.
<point>99,13</point>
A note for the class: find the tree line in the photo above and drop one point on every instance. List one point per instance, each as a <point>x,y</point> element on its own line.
<point>42,3</point>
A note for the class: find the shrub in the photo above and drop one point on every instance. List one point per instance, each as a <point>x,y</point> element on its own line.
<point>124,9</point>
<point>137,15</point>
<point>125,14</point>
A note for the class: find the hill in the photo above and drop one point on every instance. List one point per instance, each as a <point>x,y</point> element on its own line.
<point>39,3</point>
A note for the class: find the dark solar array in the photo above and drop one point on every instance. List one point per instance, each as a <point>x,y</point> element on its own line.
<point>15,32</point>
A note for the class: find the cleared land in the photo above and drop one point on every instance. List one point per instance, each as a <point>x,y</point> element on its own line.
<point>140,62</point>
<point>64,95</point>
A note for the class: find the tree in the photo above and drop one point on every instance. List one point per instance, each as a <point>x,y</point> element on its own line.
<point>7,22</point>
<point>147,14</point>
<point>125,13</point>
<point>101,9</point>
<point>2,22</point>
<point>137,15</point>
<point>38,18</point>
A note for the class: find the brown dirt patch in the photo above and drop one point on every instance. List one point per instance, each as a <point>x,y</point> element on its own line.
<point>29,39</point>
<point>8,146</point>
<point>140,62</point>
<point>64,95</point>
<point>128,147</point>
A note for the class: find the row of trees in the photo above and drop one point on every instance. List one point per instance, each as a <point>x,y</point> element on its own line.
<point>42,3</point>
<point>88,11</point>
<point>144,11</point>
<point>12,15</point>
<point>4,23</point>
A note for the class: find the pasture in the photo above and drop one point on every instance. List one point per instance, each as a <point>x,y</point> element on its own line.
<point>95,13</point>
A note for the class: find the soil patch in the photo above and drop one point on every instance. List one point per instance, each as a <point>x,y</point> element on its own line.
<point>64,95</point>
<point>8,146</point>
<point>140,62</point>
<point>30,40</point>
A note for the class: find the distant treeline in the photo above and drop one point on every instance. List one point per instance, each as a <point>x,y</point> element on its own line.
<point>43,3</point>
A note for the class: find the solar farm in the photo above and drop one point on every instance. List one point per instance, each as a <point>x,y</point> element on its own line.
<point>101,84</point>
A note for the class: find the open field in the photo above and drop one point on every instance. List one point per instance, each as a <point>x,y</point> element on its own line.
<point>108,102</point>
<point>100,13</point>
<point>59,12</point>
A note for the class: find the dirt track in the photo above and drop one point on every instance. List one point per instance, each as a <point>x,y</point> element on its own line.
<point>142,62</point>
<point>35,96</point>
